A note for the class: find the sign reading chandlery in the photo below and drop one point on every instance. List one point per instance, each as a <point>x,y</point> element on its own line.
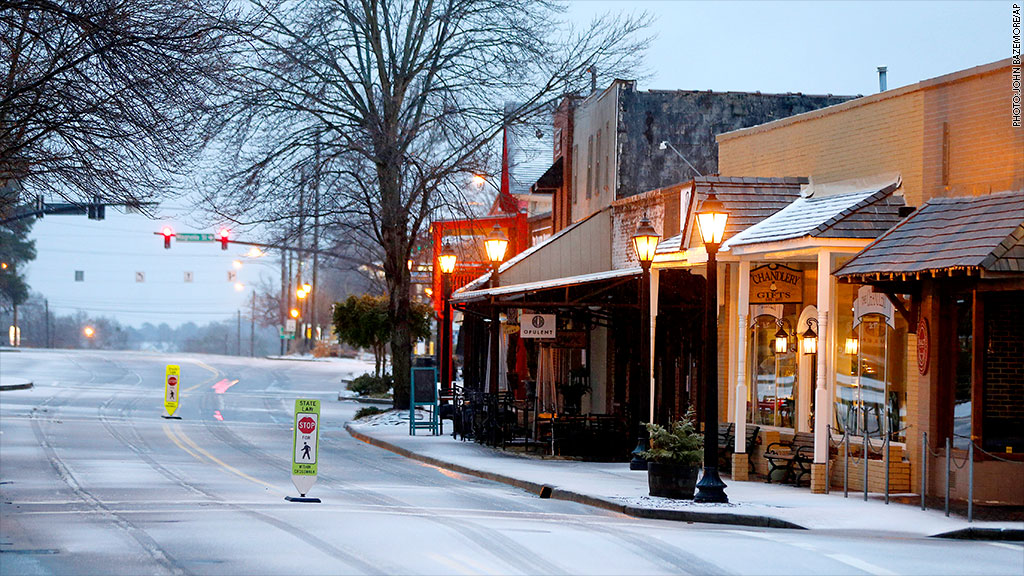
<point>537,326</point>
<point>776,284</point>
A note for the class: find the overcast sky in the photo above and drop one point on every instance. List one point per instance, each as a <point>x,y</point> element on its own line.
<point>809,47</point>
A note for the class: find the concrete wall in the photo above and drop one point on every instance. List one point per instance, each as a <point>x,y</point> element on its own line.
<point>593,151</point>
<point>690,120</point>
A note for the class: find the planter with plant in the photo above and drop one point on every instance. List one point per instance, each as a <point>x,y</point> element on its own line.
<point>674,458</point>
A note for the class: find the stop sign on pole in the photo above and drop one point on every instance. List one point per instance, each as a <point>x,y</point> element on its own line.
<point>171,389</point>
<point>305,444</point>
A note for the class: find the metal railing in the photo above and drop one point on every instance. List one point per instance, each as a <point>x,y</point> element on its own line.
<point>951,464</point>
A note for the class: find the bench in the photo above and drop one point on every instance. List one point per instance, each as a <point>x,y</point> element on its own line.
<point>794,457</point>
<point>727,443</point>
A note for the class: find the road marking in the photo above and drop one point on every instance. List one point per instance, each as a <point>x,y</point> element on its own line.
<point>1013,547</point>
<point>222,386</point>
<point>223,464</point>
<point>450,563</point>
<point>861,565</point>
<point>170,434</point>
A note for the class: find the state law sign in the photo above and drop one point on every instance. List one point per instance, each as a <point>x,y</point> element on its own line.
<point>172,375</point>
<point>305,444</point>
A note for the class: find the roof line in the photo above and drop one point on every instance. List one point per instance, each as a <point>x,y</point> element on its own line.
<point>879,195</point>
<point>870,99</point>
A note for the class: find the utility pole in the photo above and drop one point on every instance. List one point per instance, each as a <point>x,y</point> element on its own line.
<point>46,304</point>
<point>316,239</point>
<point>252,327</point>
<point>238,334</point>
<point>282,309</point>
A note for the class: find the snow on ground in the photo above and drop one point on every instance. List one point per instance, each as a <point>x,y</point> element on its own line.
<point>615,482</point>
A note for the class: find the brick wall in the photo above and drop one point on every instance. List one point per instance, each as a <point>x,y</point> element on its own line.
<point>626,215</point>
<point>901,130</point>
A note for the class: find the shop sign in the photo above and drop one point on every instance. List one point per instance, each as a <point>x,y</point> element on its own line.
<point>870,302</point>
<point>758,310</point>
<point>776,284</point>
<point>537,326</point>
<point>923,344</point>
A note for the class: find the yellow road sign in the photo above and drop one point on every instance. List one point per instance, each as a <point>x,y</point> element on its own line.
<point>172,388</point>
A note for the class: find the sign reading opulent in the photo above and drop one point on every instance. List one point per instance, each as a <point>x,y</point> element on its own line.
<point>776,284</point>
<point>537,326</point>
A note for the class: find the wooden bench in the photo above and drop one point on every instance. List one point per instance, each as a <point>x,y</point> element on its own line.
<point>794,457</point>
<point>727,443</point>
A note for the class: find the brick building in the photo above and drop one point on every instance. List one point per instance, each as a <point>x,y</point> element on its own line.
<point>917,282</point>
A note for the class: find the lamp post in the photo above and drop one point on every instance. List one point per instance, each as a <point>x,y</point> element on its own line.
<point>446,262</point>
<point>645,244</point>
<point>711,219</point>
<point>495,244</point>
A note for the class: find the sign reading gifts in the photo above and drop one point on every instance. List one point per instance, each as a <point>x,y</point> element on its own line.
<point>776,284</point>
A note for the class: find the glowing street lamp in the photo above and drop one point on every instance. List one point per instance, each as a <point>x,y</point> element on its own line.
<point>89,331</point>
<point>294,313</point>
<point>446,262</point>
<point>495,245</point>
<point>645,244</point>
<point>810,338</point>
<point>711,219</point>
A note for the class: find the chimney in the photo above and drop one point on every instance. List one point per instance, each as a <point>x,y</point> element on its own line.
<point>881,78</point>
<point>593,78</point>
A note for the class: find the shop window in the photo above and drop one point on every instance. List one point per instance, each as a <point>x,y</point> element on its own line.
<point>773,391</point>
<point>870,376</point>
<point>964,306</point>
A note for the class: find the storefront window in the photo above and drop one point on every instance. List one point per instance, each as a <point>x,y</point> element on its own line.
<point>871,391</point>
<point>964,349</point>
<point>773,390</point>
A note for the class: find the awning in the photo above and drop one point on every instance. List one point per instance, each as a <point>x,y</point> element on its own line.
<point>519,292</point>
<point>976,233</point>
<point>551,179</point>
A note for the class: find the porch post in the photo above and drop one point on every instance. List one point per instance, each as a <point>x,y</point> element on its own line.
<point>740,459</point>
<point>822,401</point>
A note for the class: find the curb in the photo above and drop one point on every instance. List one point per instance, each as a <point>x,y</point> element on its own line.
<point>1004,534</point>
<point>546,491</point>
<point>20,386</point>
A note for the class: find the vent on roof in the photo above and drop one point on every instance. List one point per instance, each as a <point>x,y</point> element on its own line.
<point>907,211</point>
<point>881,78</point>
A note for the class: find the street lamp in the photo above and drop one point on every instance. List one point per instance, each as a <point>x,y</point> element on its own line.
<point>645,244</point>
<point>810,338</point>
<point>495,245</point>
<point>711,219</point>
<point>446,262</point>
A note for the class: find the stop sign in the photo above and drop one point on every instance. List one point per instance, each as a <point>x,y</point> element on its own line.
<point>307,425</point>
<point>172,380</point>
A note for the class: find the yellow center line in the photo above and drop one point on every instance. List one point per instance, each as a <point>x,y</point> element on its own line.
<point>223,464</point>
<point>170,434</point>
<point>205,366</point>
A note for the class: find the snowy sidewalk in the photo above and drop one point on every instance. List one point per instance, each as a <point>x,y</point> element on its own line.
<point>614,486</point>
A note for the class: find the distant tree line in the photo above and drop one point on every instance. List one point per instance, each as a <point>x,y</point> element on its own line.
<point>66,331</point>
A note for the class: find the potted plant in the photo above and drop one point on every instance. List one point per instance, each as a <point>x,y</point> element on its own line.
<point>674,458</point>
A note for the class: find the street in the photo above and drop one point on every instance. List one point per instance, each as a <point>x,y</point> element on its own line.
<point>94,481</point>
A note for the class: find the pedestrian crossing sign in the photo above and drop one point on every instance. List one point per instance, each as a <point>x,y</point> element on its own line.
<point>172,388</point>
<point>306,434</point>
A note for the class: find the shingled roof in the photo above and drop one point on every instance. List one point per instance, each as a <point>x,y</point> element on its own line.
<point>947,234</point>
<point>748,201</point>
<point>864,213</point>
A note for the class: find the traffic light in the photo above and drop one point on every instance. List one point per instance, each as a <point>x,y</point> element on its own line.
<point>294,312</point>
<point>168,233</point>
<point>224,234</point>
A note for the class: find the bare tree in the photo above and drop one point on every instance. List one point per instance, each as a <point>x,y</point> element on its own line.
<point>108,98</point>
<point>386,105</point>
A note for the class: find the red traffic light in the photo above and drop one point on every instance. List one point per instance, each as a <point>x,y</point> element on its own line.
<point>224,235</point>
<point>168,233</point>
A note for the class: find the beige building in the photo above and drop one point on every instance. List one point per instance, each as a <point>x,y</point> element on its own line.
<point>869,162</point>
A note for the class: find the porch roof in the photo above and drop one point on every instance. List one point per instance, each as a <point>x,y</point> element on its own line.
<point>862,210</point>
<point>976,232</point>
<point>520,290</point>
